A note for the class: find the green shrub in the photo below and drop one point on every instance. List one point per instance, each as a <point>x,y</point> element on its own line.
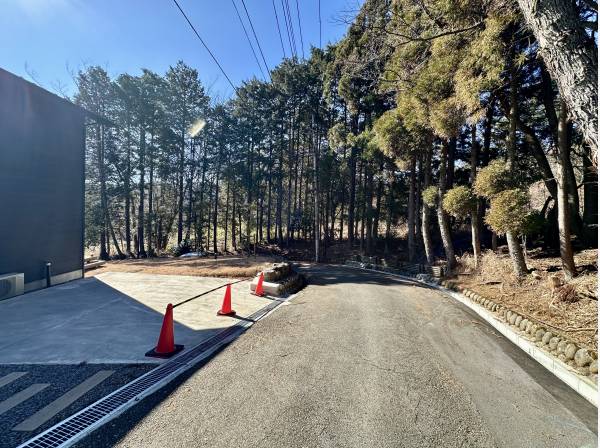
<point>459,201</point>
<point>430,196</point>
<point>492,179</point>
<point>389,132</point>
<point>508,212</point>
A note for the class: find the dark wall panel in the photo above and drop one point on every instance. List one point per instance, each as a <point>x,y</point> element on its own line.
<point>42,142</point>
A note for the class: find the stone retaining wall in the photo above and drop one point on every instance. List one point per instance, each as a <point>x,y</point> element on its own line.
<point>279,280</point>
<point>581,359</point>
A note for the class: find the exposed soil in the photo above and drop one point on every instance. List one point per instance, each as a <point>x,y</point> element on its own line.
<point>226,266</point>
<point>567,307</point>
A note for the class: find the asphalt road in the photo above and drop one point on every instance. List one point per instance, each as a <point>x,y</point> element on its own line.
<point>362,360</point>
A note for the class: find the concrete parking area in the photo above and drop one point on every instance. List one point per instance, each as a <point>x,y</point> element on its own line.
<point>67,346</point>
<point>114,317</point>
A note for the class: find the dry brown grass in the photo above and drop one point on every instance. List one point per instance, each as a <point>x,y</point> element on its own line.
<point>231,267</point>
<point>569,307</point>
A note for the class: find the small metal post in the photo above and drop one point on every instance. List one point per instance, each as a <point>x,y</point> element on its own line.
<point>48,274</point>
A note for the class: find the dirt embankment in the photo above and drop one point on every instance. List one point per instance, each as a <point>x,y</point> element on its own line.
<point>229,266</point>
<point>569,307</point>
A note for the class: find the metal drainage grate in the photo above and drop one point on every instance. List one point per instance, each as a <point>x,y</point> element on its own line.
<point>85,421</point>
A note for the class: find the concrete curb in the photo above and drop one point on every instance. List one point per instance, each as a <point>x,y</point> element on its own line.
<point>485,308</point>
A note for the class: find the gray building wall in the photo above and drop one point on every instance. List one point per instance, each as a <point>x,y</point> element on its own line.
<point>42,145</point>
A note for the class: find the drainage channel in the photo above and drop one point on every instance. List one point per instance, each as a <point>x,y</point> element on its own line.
<point>95,415</point>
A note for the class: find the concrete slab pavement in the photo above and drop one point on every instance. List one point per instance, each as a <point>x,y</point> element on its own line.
<point>113,318</point>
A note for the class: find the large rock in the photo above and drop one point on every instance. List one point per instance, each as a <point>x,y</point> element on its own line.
<point>539,334</point>
<point>582,357</point>
<point>534,328</point>
<point>570,351</point>
<point>277,272</point>
<point>562,345</point>
<point>554,342</point>
<point>547,336</point>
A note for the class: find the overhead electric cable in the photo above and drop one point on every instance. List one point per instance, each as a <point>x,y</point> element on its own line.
<point>287,27</point>
<point>204,44</point>
<point>291,24</point>
<point>256,37</point>
<point>248,38</point>
<point>279,28</point>
<point>300,28</point>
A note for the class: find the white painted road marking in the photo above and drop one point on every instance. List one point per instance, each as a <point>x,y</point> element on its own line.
<point>20,397</point>
<point>7,379</point>
<point>46,413</point>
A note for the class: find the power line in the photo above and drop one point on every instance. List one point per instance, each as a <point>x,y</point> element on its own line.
<point>300,28</point>
<point>255,37</point>
<point>248,38</point>
<point>289,13</point>
<point>205,46</point>
<point>278,28</point>
<point>291,26</point>
<point>287,27</point>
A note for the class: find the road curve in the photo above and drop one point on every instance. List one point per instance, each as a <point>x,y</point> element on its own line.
<point>362,359</point>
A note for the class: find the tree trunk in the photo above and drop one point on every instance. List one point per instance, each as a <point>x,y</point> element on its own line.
<point>269,190</point>
<point>442,216</point>
<point>411,206</point>
<point>190,205</point>
<point>475,237</point>
<point>564,219</point>
<point>141,252</point>
<point>516,254</point>
<point>571,58</point>
<point>128,198</point>
<point>548,98</point>
<point>317,223</point>
<point>351,202</point>
<point>378,205</point>
<point>590,190</point>
<point>514,247</point>
<point>233,239</point>
<point>103,200</point>
<point>180,189</point>
<point>426,212</point>
<point>369,210</point>
<point>150,218</point>
<point>216,210</point>
<point>201,197</point>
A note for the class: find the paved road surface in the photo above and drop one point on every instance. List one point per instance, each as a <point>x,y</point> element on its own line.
<point>359,360</point>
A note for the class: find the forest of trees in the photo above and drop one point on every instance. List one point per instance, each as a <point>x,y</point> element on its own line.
<point>435,117</point>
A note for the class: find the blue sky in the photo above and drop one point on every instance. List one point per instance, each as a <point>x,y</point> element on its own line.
<point>53,38</point>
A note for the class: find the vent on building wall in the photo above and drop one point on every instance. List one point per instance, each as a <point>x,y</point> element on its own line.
<point>11,285</point>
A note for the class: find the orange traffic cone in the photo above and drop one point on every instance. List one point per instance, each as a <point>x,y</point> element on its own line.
<point>259,286</point>
<point>226,307</point>
<point>166,347</point>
